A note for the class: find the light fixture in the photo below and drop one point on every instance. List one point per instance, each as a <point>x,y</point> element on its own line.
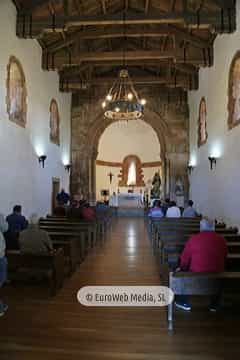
<point>213,161</point>
<point>42,159</point>
<point>122,101</point>
<point>190,169</point>
<point>67,167</point>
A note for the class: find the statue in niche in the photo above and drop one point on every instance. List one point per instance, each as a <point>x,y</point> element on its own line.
<point>156,186</point>
<point>16,92</point>
<point>54,123</point>
<point>202,123</point>
<point>234,92</point>
<point>179,187</point>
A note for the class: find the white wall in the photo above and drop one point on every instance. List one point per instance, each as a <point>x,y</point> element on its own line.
<point>217,192</point>
<point>120,140</point>
<point>22,180</point>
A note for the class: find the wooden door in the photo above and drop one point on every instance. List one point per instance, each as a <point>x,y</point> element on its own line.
<point>55,191</point>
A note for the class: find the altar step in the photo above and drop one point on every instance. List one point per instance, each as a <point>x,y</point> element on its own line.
<point>130,212</point>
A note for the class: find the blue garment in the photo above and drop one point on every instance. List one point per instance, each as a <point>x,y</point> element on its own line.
<point>156,213</point>
<point>63,197</point>
<point>189,212</point>
<point>3,270</point>
<point>16,222</point>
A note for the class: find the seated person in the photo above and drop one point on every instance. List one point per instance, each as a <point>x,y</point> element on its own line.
<point>165,206</point>
<point>189,212</point>
<point>156,211</point>
<point>34,240</point>
<point>173,211</point>
<point>3,261</point>
<point>63,197</point>
<point>88,213</point>
<point>74,212</point>
<point>60,209</point>
<point>204,252</point>
<point>16,223</point>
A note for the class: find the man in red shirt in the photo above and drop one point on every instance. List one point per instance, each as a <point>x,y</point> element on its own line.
<point>204,252</point>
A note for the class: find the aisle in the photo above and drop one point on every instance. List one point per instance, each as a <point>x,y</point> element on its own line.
<point>61,329</point>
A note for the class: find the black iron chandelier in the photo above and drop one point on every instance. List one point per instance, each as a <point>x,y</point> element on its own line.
<point>122,101</point>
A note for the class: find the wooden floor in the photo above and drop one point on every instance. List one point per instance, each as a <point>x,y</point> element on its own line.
<point>36,328</point>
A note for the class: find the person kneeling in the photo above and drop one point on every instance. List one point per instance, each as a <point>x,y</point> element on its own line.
<point>203,252</point>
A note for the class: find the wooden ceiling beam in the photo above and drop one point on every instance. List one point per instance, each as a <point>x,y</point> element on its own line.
<point>174,82</point>
<point>58,61</point>
<point>184,68</point>
<point>163,30</point>
<point>34,5</point>
<point>34,26</point>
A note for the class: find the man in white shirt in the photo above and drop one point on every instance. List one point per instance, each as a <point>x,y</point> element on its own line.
<point>3,260</point>
<point>173,211</point>
<point>113,203</point>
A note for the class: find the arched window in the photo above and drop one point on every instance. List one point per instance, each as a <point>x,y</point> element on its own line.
<point>234,92</point>
<point>132,178</point>
<point>54,123</point>
<point>131,172</point>
<point>202,123</point>
<point>16,92</point>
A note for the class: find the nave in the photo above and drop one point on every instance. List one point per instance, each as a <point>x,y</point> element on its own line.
<point>38,327</point>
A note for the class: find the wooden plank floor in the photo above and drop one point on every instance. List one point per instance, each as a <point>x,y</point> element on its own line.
<point>40,328</point>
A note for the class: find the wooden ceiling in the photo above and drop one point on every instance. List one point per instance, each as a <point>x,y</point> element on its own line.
<point>164,42</point>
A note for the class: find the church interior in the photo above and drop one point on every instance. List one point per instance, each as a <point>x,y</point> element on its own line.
<point>119,123</point>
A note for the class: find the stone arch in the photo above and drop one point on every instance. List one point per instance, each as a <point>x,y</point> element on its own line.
<point>153,119</point>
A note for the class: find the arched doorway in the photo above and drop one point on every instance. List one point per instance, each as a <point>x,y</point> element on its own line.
<point>129,154</point>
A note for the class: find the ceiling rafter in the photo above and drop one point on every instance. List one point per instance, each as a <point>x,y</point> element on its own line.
<point>58,23</point>
<point>163,30</point>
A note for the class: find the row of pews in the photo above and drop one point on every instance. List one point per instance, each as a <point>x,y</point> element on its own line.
<point>72,241</point>
<point>168,238</point>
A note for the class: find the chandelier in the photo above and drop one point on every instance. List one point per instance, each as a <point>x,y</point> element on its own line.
<point>122,101</point>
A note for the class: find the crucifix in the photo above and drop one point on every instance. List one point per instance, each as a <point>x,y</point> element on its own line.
<point>110,177</point>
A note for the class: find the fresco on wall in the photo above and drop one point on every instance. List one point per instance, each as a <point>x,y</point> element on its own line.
<point>16,92</point>
<point>234,92</point>
<point>202,123</point>
<point>54,123</point>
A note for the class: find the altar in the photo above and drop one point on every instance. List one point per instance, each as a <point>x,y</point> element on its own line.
<point>130,200</point>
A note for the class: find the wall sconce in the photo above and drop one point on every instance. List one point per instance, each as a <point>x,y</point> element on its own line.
<point>42,159</point>
<point>190,169</point>
<point>213,161</point>
<point>67,167</point>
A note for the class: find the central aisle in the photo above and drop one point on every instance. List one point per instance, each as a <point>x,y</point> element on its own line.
<point>62,329</point>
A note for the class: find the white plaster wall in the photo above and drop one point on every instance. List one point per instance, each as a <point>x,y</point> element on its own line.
<point>22,180</point>
<point>217,192</point>
<point>120,140</point>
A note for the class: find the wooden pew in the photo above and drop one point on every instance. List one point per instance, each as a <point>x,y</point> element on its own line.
<point>51,265</point>
<point>88,230</point>
<point>73,246</point>
<point>101,222</point>
<point>208,284</point>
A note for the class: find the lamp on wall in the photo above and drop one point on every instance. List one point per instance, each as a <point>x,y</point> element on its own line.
<point>213,161</point>
<point>190,168</point>
<point>68,167</point>
<point>42,159</point>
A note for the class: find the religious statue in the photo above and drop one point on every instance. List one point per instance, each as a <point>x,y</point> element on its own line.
<point>179,188</point>
<point>156,185</point>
